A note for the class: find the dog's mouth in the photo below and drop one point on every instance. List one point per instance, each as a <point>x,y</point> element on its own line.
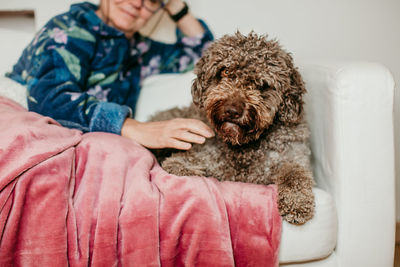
<point>233,132</point>
<point>230,128</point>
<point>230,132</point>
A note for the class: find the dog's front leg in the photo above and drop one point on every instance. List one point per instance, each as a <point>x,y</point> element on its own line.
<point>295,196</point>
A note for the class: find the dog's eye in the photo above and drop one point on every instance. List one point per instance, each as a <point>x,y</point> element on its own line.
<point>225,73</point>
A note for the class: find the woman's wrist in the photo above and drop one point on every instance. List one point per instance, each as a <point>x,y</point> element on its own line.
<point>128,127</point>
<point>177,9</point>
<point>185,21</point>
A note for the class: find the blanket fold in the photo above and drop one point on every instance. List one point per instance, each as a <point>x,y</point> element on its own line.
<point>98,199</point>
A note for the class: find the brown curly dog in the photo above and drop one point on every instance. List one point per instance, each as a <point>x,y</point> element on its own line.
<point>249,91</point>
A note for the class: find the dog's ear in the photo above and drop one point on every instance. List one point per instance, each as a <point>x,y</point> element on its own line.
<point>205,71</point>
<point>291,110</point>
<point>198,84</point>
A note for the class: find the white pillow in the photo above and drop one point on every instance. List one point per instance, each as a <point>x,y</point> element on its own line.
<point>164,91</point>
<point>12,44</point>
<point>13,90</point>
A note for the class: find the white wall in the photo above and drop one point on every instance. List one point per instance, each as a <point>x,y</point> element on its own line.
<point>311,29</point>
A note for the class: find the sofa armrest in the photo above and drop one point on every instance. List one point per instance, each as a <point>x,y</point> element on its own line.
<point>349,106</point>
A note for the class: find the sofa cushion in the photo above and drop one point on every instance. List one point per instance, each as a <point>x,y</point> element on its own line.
<point>164,91</point>
<point>314,240</point>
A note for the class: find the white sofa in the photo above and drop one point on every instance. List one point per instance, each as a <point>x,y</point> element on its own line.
<point>349,107</point>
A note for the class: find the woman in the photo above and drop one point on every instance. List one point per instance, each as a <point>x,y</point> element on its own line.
<point>84,68</point>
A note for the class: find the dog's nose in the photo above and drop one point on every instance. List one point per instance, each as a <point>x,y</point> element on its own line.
<point>233,111</point>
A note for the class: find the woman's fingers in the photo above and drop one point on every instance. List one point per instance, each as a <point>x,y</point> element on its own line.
<point>196,127</point>
<point>176,133</point>
<point>189,137</point>
<point>178,144</point>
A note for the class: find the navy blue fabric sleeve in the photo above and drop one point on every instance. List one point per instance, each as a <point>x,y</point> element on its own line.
<point>58,92</point>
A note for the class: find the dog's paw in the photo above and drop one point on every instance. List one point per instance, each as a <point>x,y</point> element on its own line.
<point>296,207</point>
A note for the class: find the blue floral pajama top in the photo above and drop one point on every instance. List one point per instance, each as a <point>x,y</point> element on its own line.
<point>87,75</point>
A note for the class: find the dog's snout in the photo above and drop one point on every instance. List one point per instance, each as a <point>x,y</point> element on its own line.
<point>233,110</point>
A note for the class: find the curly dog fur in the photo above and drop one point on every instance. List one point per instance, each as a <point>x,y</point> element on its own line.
<point>248,90</point>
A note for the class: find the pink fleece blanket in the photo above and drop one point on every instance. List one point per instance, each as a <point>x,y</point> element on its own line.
<point>72,199</point>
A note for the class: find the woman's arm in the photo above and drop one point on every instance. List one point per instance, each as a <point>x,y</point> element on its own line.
<point>193,36</point>
<point>58,92</point>
<point>55,69</point>
<point>188,24</point>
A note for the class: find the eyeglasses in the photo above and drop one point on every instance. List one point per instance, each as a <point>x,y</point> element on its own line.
<point>153,5</point>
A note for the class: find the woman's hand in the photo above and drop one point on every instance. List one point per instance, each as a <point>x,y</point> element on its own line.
<point>175,133</point>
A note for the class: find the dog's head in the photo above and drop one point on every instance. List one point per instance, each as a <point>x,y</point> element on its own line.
<point>245,84</point>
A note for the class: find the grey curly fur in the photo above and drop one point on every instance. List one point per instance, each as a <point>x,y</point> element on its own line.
<point>248,90</point>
